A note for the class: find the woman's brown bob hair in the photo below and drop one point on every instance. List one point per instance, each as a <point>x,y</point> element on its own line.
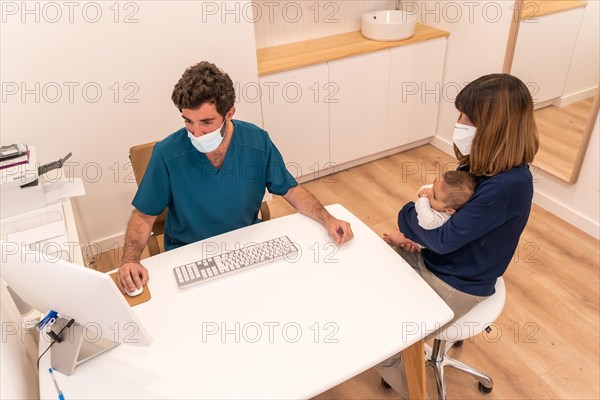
<point>501,108</point>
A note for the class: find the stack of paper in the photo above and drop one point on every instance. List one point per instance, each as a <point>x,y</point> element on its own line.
<point>15,154</point>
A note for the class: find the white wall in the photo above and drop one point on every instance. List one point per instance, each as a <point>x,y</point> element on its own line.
<point>135,49</point>
<point>476,47</point>
<point>579,203</point>
<point>584,71</point>
<point>285,21</point>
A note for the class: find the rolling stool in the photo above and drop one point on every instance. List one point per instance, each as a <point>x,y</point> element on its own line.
<point>472,323</point>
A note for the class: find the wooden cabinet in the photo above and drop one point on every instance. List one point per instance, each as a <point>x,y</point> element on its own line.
<point>544,51</point>
<point>358,119</point>
<point>415,91</point>
<point>296,115</point>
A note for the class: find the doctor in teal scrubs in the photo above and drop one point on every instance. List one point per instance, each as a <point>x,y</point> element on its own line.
<point>211,175</point>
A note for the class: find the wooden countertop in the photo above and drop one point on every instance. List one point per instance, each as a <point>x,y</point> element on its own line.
<point>316,51</point>
<point>536,8</point>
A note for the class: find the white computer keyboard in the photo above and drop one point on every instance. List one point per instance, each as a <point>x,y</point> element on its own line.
<point>241,259</point>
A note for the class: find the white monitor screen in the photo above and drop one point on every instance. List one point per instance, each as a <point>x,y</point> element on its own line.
<point>88,296</point>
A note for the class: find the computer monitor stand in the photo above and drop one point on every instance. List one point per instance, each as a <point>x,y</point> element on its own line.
<point>79,345</point>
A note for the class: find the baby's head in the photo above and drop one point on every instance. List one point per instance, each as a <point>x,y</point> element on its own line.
<point>452,191</point>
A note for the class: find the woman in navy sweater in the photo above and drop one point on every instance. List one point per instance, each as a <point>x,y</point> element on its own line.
<point>495,139</point>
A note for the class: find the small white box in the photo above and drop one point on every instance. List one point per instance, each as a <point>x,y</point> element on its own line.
<point>14,199</point>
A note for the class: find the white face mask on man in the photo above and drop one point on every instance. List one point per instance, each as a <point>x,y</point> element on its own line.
<point>207,142</point>
<point>463,137</point>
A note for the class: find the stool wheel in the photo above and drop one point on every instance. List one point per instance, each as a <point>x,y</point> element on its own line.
<point>458,344</point>
<point>385,384</point>
<point>483,389</point>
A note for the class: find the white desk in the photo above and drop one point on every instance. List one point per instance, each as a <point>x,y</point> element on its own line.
<point>321,322</point>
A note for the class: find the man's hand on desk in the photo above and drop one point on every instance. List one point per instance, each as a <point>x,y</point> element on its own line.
<point>132,275</point>
<point>304,201</point>
<point>339,230</point>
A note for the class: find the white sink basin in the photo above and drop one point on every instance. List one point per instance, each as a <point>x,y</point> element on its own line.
<point>388,25</point>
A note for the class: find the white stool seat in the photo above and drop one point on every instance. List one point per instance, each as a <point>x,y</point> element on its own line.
<point>478,318</point>
<point>472,323</point>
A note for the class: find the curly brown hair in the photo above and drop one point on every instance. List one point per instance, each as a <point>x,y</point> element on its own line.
<point>202,83</point>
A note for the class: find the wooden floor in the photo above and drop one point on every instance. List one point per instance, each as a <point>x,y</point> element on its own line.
<point>561,131</point>
<point>546,343</point>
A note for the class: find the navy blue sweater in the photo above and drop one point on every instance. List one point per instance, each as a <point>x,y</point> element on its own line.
<point>476,245</point>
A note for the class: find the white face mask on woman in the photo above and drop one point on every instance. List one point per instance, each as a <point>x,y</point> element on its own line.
<point>463,137</point>
<point>207,142</point>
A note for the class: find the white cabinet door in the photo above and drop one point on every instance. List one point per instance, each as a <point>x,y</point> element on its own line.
<point>415,91</point>
<point>296,115</point>
<point>544,50</point>
<point>358,118</point>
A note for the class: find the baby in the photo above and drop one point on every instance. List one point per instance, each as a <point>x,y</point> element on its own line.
<point>439,201</point>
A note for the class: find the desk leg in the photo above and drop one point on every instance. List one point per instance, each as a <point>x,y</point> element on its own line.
<point>414,365</point>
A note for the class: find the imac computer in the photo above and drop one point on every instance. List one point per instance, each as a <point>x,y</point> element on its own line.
<point>102,317</point>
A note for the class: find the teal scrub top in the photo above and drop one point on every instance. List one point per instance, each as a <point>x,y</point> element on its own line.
<point>203,201</point>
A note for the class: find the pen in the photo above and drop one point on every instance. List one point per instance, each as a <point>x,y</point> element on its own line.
<point>60,394</point>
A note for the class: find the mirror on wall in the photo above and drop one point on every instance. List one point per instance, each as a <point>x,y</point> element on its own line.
<point>564,136</point>
<point>553,48</point>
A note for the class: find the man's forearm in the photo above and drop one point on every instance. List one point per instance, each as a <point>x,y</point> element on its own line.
<point>306,203</point>
<point>303,201</point>
<point>136,236</point>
